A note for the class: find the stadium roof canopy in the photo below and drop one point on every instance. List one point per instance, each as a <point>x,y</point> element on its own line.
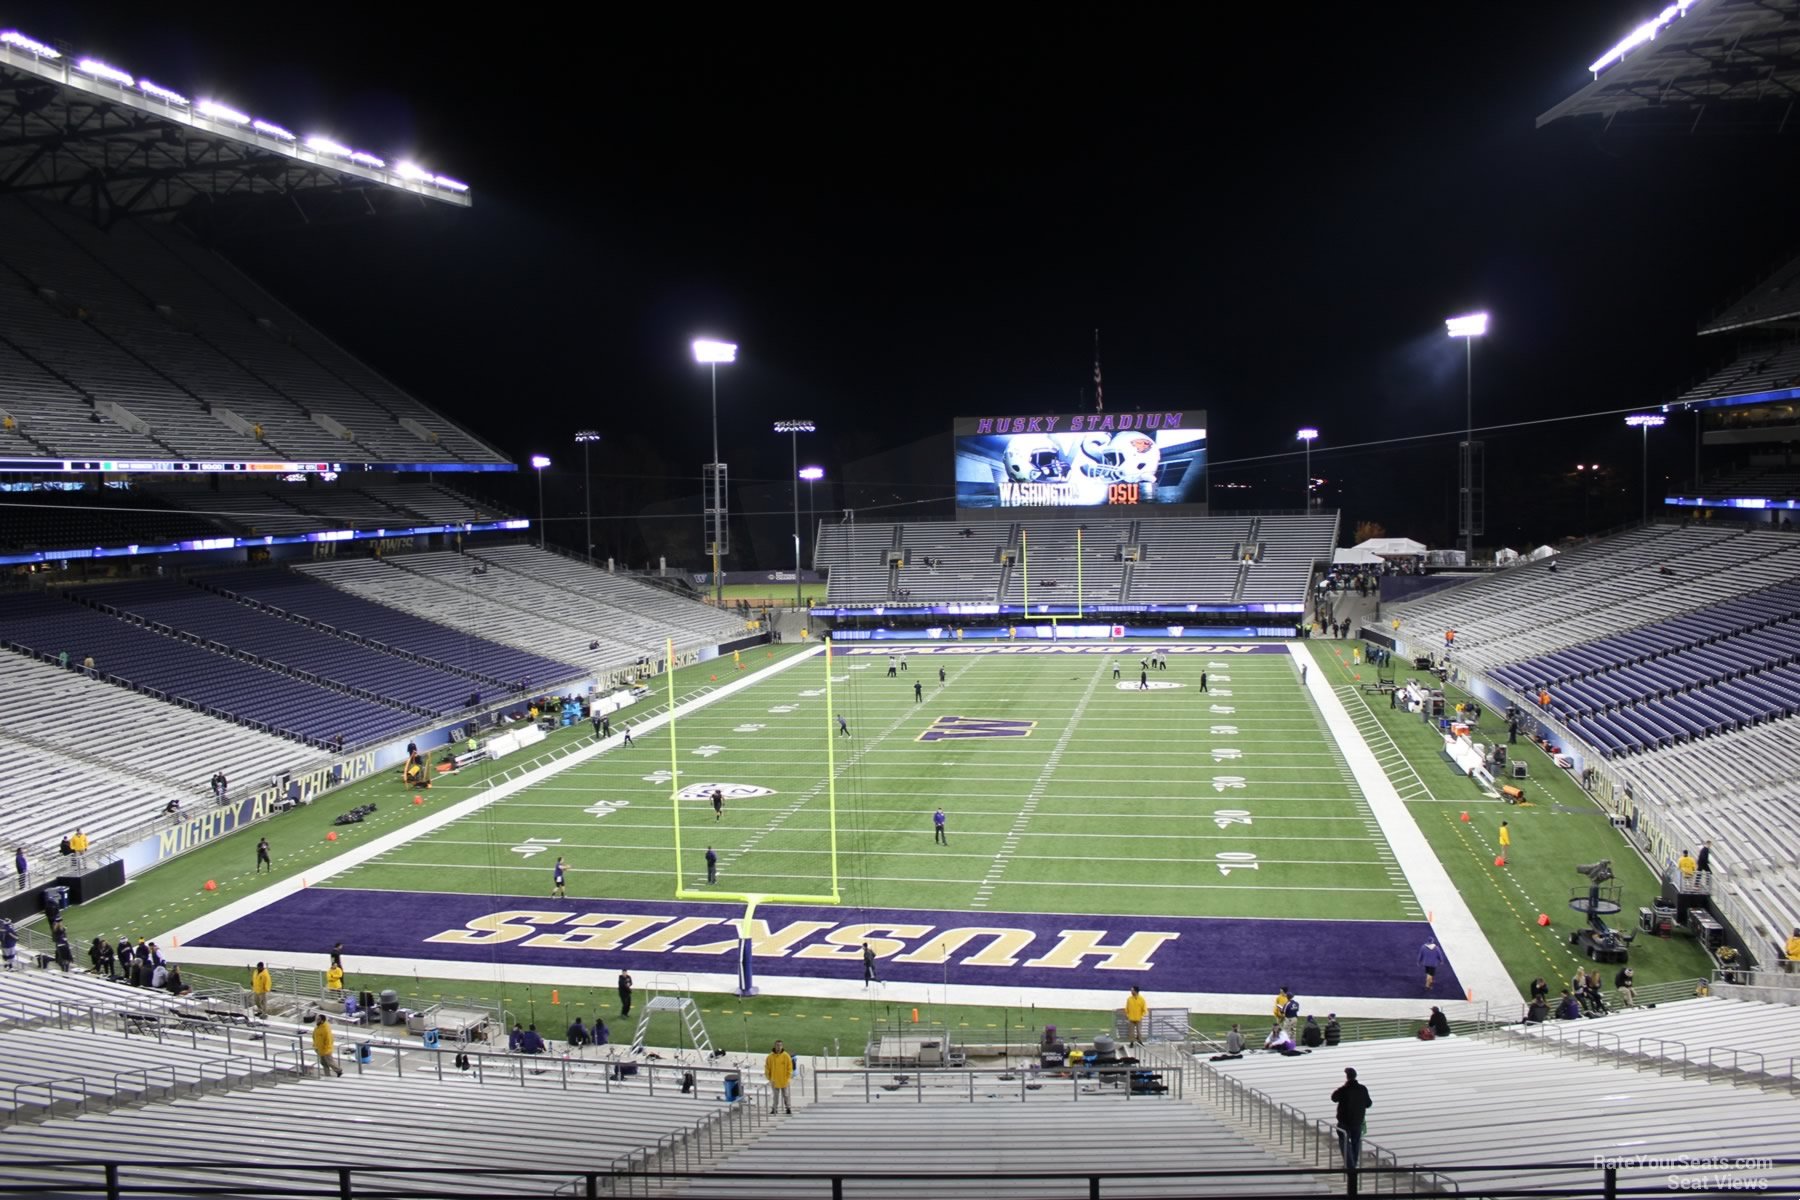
<point>95,136</point>
<point>1733,59</point>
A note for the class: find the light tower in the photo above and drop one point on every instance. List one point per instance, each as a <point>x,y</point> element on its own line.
<point>1468,328</point>
<point>1308,435</point>
<point>585,438</point>
<point>794,429</point>
<point>711,353</point>
<point>538,463</point>
<point>1645,422</point>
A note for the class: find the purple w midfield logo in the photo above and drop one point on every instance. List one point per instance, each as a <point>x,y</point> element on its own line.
<point>945,728</point>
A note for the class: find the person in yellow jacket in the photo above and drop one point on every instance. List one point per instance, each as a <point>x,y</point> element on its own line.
<point>326,1046</point>
<point>78,843</point>
<point>1793,949</point>
<point>1505,841</point>
<point>261,984</point>
<point>334,978</point>
<point>1687,866</point>
<point>1136,1008</point>
<point>778,1069</point>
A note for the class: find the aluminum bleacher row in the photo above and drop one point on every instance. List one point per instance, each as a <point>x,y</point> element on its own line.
<point>1487,1100</point>
<point>139,317</point>
<point>1210,560</point>
<point>1714,669</point>
<point>537,601</point>
<point>1601,588</point>
<point>1760,369</point>
<point>187,1095</point>
<point>188,672</point>
<point>61,775</point>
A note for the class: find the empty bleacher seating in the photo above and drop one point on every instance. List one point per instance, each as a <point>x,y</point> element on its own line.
<point>139,317</point>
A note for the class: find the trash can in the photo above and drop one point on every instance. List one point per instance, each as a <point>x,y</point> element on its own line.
<point>430,1039</point>
<point>365,1053</point>
<point>734,1089</point>
<point>390,1007</point>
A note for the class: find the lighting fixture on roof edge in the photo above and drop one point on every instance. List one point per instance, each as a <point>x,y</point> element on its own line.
<point>100,70</point>
<point>221,112</point>
<point>1643,33</point>
<point>13,37</point>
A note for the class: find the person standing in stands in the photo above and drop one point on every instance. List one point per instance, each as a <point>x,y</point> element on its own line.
<point>778,1069</point>
<point>9,945</point>
<point>262,857</point>
<point>624,993</point>
<point>325,1045</point>
<point>65,953</point>
<point>334,978</point>
<point>1353,1105</point>
<point>22,865</point>
<point>1687,866</point>
<point>1136,1009</point>
<point>1702,861</point>
<point>107,963</point>
<point>337,955</point>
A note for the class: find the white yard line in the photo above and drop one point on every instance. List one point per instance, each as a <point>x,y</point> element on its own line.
<point>997,871</point>
<point>239,909</point>
<point>1467,948</point>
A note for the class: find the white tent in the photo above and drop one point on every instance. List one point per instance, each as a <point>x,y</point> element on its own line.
<point>1391,546</point>
<point>1540,552</point>
<point>1356,555</point>
<point>1505,555</point>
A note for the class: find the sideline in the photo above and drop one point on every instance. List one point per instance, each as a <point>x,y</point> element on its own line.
<point>1477,965</point>
<point>237,909</point>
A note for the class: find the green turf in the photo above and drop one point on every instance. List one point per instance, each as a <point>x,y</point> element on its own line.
<point>1109,806</point>
<point>1560,827</point>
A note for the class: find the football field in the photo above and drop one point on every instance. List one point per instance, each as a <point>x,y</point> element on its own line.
<point>1194,827</point>
<point>1063,790</point>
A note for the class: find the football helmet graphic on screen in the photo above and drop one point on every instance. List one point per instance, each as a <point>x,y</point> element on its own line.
<point>1033,458</point>
<point>1135,456</point>
<point>1126,457</point>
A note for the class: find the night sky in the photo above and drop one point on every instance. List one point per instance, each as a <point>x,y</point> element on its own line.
<point>907,215</point>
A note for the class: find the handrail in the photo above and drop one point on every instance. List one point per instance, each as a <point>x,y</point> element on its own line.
<point>49,1086</point>
<point>942,1081</point>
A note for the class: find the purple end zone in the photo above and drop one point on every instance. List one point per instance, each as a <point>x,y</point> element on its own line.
<point>1375,959</point>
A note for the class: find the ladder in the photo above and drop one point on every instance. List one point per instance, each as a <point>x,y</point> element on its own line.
<point>683,1007</point>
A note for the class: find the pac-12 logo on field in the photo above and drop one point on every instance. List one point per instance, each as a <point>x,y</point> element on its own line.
<point>947,728</point>
<point>732,791</point>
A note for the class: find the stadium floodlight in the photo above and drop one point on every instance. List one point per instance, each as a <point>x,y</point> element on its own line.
<point>1308,435</point>
<point>794,429</point>
<point>1645,422</point>
<point>710,352</point>
<point>812,475</point>
<point>411,170</point>
<point>1471,325</point>
<point>367,159</point>
<point>538,463</point>
<point>1468,327</point>
<point>14,38</point>
<point>158,92</point>
<point>100,70</point>
<point>586,438</point>
<point>271,129</point>
<point>1643,33</point>
<point>221,112</point>
<point>324,145</point>
<point>449,184</point>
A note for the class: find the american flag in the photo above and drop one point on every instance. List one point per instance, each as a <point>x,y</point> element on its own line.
<point>1099,390</point>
